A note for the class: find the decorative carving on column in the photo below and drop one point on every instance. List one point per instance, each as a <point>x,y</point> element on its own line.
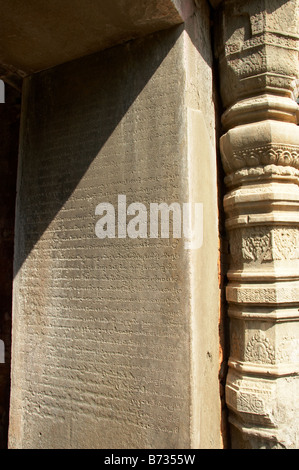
<point>257,49</point>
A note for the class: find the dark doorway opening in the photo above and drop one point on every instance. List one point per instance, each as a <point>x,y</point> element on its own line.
<point>9,143</point>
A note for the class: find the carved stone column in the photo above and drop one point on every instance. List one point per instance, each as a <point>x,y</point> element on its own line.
<point>258,63</point>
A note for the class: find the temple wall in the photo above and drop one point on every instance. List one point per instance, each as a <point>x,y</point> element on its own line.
<point>115,341</point>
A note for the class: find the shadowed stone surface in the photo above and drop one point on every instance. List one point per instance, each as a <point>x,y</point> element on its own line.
<point>37,35</point>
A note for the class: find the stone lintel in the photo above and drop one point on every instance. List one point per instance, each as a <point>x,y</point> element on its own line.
<point>40,35</point>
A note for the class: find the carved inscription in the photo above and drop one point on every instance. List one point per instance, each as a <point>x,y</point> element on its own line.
<point>105,336</point>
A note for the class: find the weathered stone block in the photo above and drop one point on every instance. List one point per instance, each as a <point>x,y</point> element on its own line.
<point>115,342</point>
